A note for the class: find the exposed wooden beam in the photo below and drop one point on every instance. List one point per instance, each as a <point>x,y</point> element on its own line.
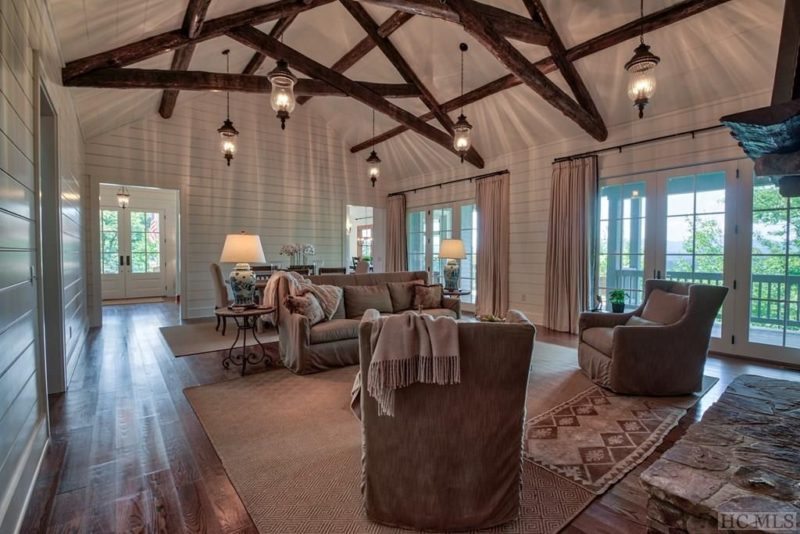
<point>518,64</point>
<point>651,22</point>
<point>504,22</point>
<point>395,58</point>
<point>272,47</point>
<point>778,165</point>
<point>193,21</point>
<point>559,54</point>
<point>277,30</point>
<point>151,46</point>
<point>365,45</point>
<point>194,80</point>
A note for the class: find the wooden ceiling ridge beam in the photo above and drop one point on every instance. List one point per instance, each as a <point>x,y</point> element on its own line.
<point>559,54</point>
<point>651,22</point>
<point>265,44</point>
<point>504,22</point>
<point>518,64</point>
<point>396,59</point>
<point>194,80</point>
<point>365,45</point>
<point>148,47</point>
<point>192,24</point>
<point>276,32</point>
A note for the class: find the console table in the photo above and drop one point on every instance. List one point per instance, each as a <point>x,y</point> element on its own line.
<point>742,457</point>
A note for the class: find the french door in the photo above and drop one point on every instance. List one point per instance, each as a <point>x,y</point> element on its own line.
<point>427,227</point>
<point>678,225</point>
<point>131,259</point>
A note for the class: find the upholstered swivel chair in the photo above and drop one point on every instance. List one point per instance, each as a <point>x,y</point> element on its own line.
<point>221,299</point>
<point>451,456</point>
<point>658,349</point>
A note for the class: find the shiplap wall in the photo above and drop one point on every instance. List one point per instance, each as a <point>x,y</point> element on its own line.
<point>25,27</point>
<point>531,176</point>
<point>287,186</point>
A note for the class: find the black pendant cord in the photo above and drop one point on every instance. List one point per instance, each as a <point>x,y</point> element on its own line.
<point>373,129</point>
<point>462,76</point>
<point>641,18</point>
<point>228,93</point>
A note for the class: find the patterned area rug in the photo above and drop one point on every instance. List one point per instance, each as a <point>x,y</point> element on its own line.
<point>597,437</point>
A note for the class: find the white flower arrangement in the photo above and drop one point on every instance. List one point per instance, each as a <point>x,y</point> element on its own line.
<point>309,250</point>
<point>290,249</point>
<point>298,251</point>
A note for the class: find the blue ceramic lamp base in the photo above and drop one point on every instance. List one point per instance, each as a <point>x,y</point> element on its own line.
<point>243,285</point>
<point>452,273</point>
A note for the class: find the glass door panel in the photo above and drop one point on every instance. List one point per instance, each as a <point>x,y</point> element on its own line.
<point>112,253</point>
<point>441,228</point>
<point>468,233</point>
<point>417,240</point>
<point>622,230</point>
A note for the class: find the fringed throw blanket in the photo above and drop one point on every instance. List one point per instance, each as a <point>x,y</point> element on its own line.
<point>409,348</point>
<point>329,296</point>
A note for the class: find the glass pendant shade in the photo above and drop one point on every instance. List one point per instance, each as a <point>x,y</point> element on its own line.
<point>227,137</point>
<point>282,99</point>
<point>642,79</point>
<point>462,136</point>
<point>123,198</point>
<point>374,167</point>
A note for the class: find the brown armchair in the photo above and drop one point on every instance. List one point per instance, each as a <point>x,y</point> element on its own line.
<point>648,358</point>
<point>451,457</point>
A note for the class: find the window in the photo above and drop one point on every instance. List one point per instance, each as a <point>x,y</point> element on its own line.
<point>365,240</point>
<point>109,241</point>
<point>145,242</point>
<point>469,234</point>
<point>417,239</point>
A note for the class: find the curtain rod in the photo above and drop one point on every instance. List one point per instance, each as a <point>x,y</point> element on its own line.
<point>471,178</point>
<point>636,143</point>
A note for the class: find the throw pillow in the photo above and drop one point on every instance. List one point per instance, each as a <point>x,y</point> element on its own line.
<point>402,294</point>
<point>427,297</point>
<point>329,297</point>
<point>358,299</point>
<point>664,308</point>
<point>307,305</point>
<point>638,321</point>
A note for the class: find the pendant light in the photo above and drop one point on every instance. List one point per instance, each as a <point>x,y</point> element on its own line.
<point>227,133</point>
<point>282,99</point>
<point>373,161</point>
<point>123,197</point>
<point>641,70</point>
<point>462,128</point>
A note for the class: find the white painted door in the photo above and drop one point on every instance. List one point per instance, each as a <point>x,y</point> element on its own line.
<point>131,250</point>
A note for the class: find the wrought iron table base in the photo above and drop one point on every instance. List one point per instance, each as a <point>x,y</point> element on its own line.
<point>241,359</point>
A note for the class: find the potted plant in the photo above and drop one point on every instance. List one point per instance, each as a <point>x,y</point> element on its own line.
<point>617,299</point>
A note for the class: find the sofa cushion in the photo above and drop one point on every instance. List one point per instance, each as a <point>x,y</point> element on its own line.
<point>358,299</point>
<point>307,305</point>
<point>334,330</point>
<point>664,308</point>
<point>600,338</point>
<point>638,321</point>
<point>427,297</point>
<point>402,294</point>
<point>441,312</point>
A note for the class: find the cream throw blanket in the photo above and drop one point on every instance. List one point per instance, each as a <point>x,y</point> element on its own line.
<point>409,348</point>
<point>329,296</point>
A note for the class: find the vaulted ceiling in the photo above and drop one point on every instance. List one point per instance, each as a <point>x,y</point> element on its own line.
<point>719,53</point>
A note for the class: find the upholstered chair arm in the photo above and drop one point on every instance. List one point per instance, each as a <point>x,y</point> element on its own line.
<point>294,334</point>
<point>602,320</point>
<point>452,304</point>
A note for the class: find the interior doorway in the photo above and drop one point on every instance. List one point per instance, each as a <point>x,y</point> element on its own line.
<point>365,228</point>
<point>139,243</point>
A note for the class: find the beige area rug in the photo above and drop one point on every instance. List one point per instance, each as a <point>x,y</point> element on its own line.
<point>292,448</point>
<point>197,338</point>
<point>143,300</point>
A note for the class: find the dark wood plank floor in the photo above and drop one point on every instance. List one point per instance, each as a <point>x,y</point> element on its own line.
<point>128,453</point>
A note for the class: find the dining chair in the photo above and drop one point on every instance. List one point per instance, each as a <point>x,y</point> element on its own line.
<point>222,300</point>
<point>332,270</point>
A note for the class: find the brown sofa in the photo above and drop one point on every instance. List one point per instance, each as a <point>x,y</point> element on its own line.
<point>308,349</point>
<point>651,359</point>
<point>451,457</point>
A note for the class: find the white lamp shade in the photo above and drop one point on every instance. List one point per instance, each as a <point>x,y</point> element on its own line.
<point>452,249</point>
<point>242,248</point>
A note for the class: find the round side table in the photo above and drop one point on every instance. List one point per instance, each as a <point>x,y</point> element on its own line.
<point>457,293</point>
<point>245,321</point>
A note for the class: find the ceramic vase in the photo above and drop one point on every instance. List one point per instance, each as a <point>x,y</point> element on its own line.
<point>452,272</point>
<point>243,285</point>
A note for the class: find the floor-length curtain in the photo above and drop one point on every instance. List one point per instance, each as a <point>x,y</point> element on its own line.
<point>571,243</point>
<point>396,254</point>
<point>492,198</point>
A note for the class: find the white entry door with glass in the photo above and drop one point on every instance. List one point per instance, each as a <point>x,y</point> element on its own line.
<point>427,227</point>
<point>131,243</point>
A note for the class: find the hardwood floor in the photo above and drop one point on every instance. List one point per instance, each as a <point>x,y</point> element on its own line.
<point>128,453</point>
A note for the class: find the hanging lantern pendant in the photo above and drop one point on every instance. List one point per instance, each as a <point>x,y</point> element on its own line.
<point>227,133</point>
<point>123,197</point>
<point>373,161</point>
<point>641,70</point>
<point>282,98</point>
<point>462,129</point>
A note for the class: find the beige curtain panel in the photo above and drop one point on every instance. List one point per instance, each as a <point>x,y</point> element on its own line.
<point>570,243</point>
<point>492,199</point>
<point>396,254</point>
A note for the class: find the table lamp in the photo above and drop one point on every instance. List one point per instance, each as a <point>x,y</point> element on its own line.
<point>452,250</point>
<point>242,249</point>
